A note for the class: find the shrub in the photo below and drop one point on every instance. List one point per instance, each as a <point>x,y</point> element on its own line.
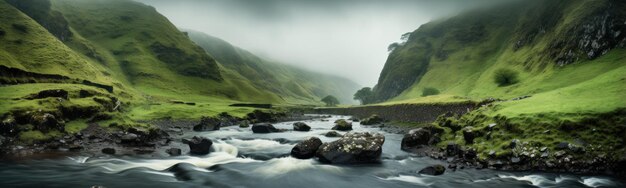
<point>430,91</point>
<point>505,77</point>
<point>2,32</point>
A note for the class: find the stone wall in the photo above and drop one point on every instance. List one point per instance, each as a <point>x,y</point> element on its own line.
<point>414,113</point>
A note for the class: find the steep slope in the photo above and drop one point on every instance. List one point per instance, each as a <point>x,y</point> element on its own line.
<point>550,44</point>
<point>141,47</point>
<point>28,46</point>
<point>546,71</point>
<point>293,84</point>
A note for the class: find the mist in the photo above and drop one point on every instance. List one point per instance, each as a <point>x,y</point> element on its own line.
<point>345,38</point>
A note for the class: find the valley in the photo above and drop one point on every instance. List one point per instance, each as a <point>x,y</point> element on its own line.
<point>522,93</point>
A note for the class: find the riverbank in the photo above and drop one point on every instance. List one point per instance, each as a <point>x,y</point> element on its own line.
<point>473,135</point>
<point>241,158</point>
<point>159,138</point>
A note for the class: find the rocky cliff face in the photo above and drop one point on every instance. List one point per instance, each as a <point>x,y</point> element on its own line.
<point>597,34</point>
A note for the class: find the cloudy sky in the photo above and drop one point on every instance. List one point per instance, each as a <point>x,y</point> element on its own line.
<point>342,37</point>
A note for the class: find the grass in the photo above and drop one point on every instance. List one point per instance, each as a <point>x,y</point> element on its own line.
<point>11,97</point>
<point>34,136</point>
<point>76,126</point>
<point>38,51</point>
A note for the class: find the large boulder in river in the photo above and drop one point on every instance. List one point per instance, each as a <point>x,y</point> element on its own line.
<point>433,170</point>
<point>301,126</point>
<point>372,120</point>
<point>307,148</point>
<point>342,125</point>
<point>264,128</point>
<point>198,145</point>
<point>417,138</point>
<point>353,148</point>
<point>208,124</point>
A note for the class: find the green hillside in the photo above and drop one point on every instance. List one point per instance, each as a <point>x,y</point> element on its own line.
<point>293,84</point>
<point>118,62</point>
<point>29,46</point>
<point>551,45</point>
<point>568,57</point>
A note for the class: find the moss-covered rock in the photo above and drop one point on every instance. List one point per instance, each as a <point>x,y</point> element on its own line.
<point>342,125</point>
<point>372,120</point>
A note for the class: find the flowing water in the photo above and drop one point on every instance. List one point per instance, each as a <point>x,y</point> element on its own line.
<point>244,159</point>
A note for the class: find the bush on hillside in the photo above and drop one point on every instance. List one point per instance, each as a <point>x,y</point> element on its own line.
<point>430,91</point>
<point>505,77</point>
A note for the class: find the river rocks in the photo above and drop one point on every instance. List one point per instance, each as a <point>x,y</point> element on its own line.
<point>353,148</point>
<point>514,143</point>
<point>470,154</point>
<point>342,125</point>
<point>198,145</point>
<point>433,170</point>
<point>453,149</point>
<point>185,171</point>
<point>515,160</point>
<point>264,128</point>
<point>307,148</point>
<point>562,145</point>
<point>58,93</point>
<point>372,120</point>
<point>244,124</point>
<point>301,126</point>
<point>208,124</point>
<point>415,139</point>
<point>109,151</point>
<point>559,154</point>
<point>468,135</point>
<point>332,134</point>
<point>129,138</point>
<point>174,151</point>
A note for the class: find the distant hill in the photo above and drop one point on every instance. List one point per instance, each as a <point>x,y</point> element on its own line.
<point>294,84</point>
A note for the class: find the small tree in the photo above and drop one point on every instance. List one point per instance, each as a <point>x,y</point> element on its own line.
<point>330,100</point>
<point>430,91</point>
<point>365,95</point>
<point>505,77</point>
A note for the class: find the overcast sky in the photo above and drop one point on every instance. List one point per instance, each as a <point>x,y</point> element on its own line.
<point>342,37</point>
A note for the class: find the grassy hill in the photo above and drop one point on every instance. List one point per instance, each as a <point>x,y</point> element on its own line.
<point>568,56</point>
<point>115,62</point>
<point>551,45</point>
<point>293,84</point>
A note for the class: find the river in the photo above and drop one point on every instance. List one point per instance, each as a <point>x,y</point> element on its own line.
<point>243,159</point>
